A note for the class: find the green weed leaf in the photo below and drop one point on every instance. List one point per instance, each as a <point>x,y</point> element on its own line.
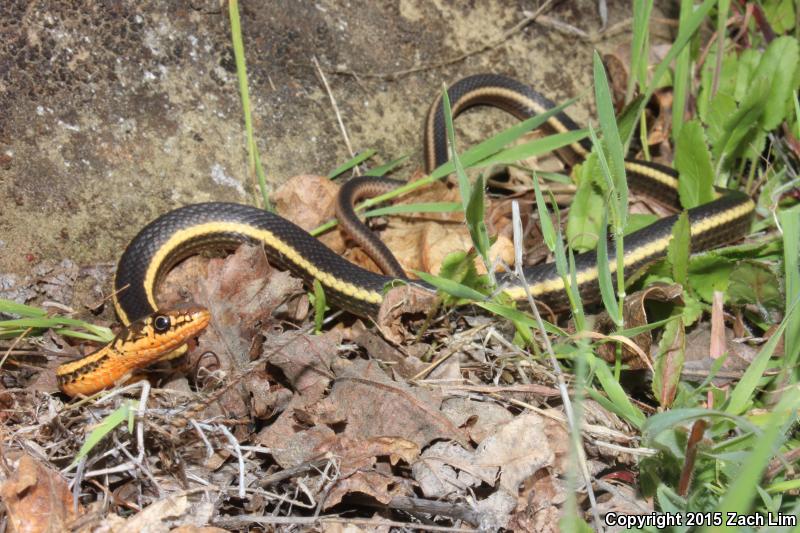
<point>693,161</point>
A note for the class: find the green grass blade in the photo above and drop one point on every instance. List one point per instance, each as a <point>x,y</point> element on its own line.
<point>469,158</point>
<point>475,215</point>
<point>387,168</point>
<point>534,148</point>
<point>99,333</point>
<point>639,46</point>
<point>107,425</point>
<point>790,225</point>
<point>453,288</point>
<point>10,307</point>
<point>517,316</point>
<point>604,278</point>
<point>685,34</point>
<point>352,162</point>
<point>548,230</point>
<point>632,332</point>
<point>668,420</point>
<point>797,114</point>
<point>617,397</point>
<point>742,394</point>
<point>464,187</point>
<point>742,490</point>
<point>611,141</point>
<point>421,207</point>
<point>722,18</point>
<point>680,84</point>
<point>244,92</point>
<point>612,165</point>
<point>497,142</point>
<point>320,303</point>
<point>472,199</point>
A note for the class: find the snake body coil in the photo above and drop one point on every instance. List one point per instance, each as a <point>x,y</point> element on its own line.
<point>187,230</point>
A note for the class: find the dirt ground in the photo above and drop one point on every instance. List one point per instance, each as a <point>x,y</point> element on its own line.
<point>113,113</point>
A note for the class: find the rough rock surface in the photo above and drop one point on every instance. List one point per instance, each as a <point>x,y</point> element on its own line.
<point>112,113</point>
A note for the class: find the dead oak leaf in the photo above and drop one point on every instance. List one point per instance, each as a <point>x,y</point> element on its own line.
<point>698,361</point>
<point>242,292</point>
<point>372,405</point>
<point>379,486</point>
<point>291,443</point>
<point>355,454</point>
<point>304,359</point>
<point>403,364</point>
<point>293,201</point>
<point>309,211</point>
<point>635,315</point>
<point>403,301</point>
<point>480,419</point>
<point>37,499</point>
<point>519,447</point>
<point>446,469</point>
<point>162,515</point>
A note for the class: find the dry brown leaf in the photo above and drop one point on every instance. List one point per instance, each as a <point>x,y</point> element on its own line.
<point>401,301</point>
<point>357,454</point>
<point>243,292</point>
<point>437,241</point>
<point>698,361</point>
<point>480,419</point>
<point>378,349</point>
<point>520,448</point>
<point>167,513</point>
<point>381,487</point>
<point>304,359</point>
<point>371,405</point>
<point>291,443</point>
<point>307,200</point>
<point>540,502</point>
<point>718,338</point>
<point>636,315</point>
<point>536,520</point>
<point>624,499</point>
<point>266,398</point>
<point>402,237</point>
<point>37,499</point>
<point>446,469</point>
<point>495,510</point>
<point>661,124</point>
<point>616,68</point>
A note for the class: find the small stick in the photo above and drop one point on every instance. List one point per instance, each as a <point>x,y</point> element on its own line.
<point>336,111</point>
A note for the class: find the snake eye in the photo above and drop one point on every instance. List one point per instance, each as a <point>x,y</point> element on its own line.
<point>161,323</point>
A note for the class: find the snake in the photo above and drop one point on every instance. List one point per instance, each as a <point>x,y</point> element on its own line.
<point>187,230</point>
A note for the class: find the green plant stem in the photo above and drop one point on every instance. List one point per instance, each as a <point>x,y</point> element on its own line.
<point>255,167</point>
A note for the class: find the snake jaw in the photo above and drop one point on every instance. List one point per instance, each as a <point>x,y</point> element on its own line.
<point>136,346</point>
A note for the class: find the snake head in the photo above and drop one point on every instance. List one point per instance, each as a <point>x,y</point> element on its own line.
<point>162,331</point>
<point>156,337</point>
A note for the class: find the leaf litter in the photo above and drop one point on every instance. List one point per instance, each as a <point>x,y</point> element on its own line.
<point>268,419</point>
